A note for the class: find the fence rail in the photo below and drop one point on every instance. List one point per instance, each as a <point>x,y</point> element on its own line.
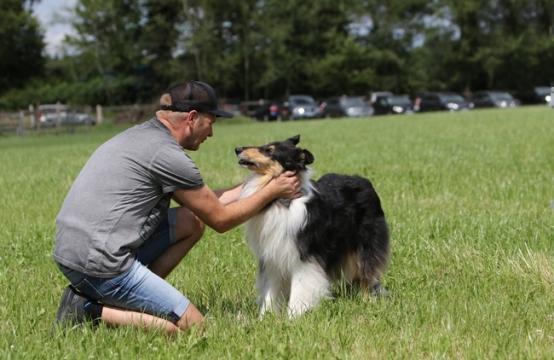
<point>58,116</point>
<point>15,122</point>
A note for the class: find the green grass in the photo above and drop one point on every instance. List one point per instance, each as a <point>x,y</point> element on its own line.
<point>469,198</point>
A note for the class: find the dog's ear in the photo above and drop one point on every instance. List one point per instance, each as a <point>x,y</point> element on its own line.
<point>294,140</point>
<point>306,157</point>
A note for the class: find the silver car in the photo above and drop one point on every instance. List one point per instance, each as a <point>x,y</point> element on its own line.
<point>51,115</point>
<point>302,107</point>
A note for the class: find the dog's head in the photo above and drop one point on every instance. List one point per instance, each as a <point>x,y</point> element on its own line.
<point>276,157</point>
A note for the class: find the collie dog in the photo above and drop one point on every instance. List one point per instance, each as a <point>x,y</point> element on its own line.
<point>336,229</point>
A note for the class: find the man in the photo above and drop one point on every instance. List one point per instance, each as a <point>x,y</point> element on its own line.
<point>116,240</point>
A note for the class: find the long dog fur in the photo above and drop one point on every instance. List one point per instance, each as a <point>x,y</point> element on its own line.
<point>336,228</point>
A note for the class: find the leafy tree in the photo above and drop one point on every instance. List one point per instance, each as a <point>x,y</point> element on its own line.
<point>21,45</point>
<point>396,26</point>
<point>108,42</point>
<point>158,40</point>
<point>306,46</point>
<point>503,44</point>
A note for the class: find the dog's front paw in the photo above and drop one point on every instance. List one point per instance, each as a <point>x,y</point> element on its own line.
<point>380,291</point>
<point>268,306</point>
<point>263,312</point>
<point>296,310</point>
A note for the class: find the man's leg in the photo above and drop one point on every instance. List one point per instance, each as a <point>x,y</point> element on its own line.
<point>138,298</point>
<point>161,305</point>
<point>75,309</point>
<point>188,230</point>
<point>119,317</point>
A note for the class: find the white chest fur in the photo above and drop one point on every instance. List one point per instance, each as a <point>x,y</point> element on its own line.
<point>272,233</point>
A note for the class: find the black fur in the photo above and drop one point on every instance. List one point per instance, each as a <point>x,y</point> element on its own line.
<point>345,217</point>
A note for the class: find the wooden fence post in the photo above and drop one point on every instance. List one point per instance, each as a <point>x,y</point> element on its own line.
<point>99,115</point>
<point>59,115</point>
<point>37,114</point>
<point>21,124</point>
<point>32,116</point>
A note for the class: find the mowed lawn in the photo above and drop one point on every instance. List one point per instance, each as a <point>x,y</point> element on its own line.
<point>470,202</point>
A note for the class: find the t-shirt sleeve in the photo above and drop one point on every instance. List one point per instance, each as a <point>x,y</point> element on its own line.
<point>174,169</point>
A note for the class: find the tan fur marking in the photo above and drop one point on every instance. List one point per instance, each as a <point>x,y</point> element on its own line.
<point>365,289</point>
<point>351,268</point>
<point>352,273</point>
<point>265,166</point>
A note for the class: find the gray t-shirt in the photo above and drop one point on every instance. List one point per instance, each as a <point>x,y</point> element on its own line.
<point>120,197</point>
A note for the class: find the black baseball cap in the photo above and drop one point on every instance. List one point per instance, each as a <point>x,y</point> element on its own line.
<point>192,95</point>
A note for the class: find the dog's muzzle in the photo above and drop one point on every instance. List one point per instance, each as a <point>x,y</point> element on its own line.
<point>246,162</point>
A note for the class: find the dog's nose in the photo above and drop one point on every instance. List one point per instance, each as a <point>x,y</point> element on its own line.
<point>238,150</point>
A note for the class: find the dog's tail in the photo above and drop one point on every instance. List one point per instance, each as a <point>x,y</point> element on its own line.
<point>374,253</point>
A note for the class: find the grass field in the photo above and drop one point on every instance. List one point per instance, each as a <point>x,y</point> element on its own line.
<point>470,202</point>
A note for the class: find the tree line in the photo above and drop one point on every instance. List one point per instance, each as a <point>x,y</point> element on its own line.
<point>128,51</point>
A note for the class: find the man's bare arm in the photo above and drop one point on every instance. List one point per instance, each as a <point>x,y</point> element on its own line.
<point>225,196</point>
<point>229,195</point>
<point>204,203</point>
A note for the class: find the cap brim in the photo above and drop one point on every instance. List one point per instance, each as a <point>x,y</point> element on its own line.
<point>221,113</point>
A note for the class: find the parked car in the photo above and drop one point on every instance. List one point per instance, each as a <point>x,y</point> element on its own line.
<point>498,99</point>
<point>393,104</point>
<point>346,106</point>
<point>230,105</point>
<point>301,107</point>
<point>543,94</point>
<point>536,95</point>
<point>443,101</point>
<point>270,111</point>
<point>375,94</point>
<point>53,114</point>
<point>251,108</point>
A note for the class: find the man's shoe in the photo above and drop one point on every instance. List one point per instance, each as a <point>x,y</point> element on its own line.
<point>71,311</point>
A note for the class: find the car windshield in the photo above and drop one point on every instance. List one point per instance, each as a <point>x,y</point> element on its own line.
<point>304,100</point>
<point>399,100</point>
<point>501,96</point>
<point>542,90</point>
<point>451,98</point>
<point>352,102</point>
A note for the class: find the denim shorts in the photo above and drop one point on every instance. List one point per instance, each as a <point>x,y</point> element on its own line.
<point>138,288</point>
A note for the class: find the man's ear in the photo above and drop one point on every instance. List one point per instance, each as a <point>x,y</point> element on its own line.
<point>294,140</point>
<point>193,115</point>
<point>307,157</point>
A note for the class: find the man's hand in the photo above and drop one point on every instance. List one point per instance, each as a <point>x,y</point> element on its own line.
<point>286,185</point>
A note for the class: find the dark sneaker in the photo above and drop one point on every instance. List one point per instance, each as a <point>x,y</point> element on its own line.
<point>71,311</point>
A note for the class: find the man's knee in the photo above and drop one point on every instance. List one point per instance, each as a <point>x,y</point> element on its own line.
<point>188,225</point>
<point>200,227</point>
<point>197,229</point>
<point>191,317</point>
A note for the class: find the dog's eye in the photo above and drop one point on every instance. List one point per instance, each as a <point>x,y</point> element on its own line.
<point>269,150</point>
